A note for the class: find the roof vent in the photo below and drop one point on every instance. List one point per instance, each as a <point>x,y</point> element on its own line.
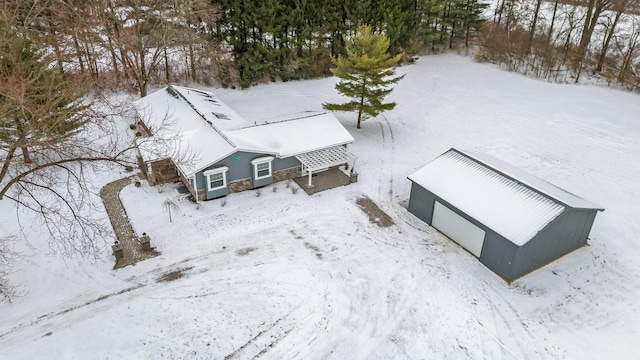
<point>221,116</point>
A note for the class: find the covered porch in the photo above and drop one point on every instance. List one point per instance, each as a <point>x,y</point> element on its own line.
<point>326,180</point>
<point>321,169</point>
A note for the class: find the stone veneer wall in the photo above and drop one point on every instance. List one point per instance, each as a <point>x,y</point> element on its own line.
<point>239,185</point>
<point>246,184</point>
<point>287,174</point>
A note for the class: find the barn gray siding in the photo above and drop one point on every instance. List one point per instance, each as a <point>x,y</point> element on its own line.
<point>497,253</point>
<point>421,203</point>
<point>576,231</point>
<point>566,233</point>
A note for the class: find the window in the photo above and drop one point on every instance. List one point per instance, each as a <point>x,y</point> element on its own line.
<point>216,178</point>
<point>262,167</point>
<point>263,170</point>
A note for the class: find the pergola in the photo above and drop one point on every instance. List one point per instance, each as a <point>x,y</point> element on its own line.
<point>322,159</point>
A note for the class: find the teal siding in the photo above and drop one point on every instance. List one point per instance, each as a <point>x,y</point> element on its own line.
<point>262,182</point>
<point>201,181</point>
<point>216,193</point>
<point>240,167</point>
<point>285,163</point>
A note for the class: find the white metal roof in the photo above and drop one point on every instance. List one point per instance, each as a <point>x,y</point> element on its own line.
<point>504,205</point>
<point>524,177</point>
<point>204,130</point>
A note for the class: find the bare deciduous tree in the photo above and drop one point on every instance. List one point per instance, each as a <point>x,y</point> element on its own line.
<point>7,256</point>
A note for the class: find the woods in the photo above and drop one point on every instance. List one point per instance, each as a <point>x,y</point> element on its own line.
<point>132,44</point>
<point>571,42</point>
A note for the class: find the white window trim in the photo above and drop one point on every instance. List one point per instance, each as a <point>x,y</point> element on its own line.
<point>262,160</point>
<point>221,170</point>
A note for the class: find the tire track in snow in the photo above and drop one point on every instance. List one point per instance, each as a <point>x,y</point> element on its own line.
<point>264,340</point>
<point>389,146</point>
<point>67,310</point>
<point>141,280</point>
<point>505,313</point>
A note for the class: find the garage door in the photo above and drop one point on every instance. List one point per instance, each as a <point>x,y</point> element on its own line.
<point>458,229</point>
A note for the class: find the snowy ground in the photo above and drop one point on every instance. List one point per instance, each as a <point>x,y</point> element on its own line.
<point>288,275</point>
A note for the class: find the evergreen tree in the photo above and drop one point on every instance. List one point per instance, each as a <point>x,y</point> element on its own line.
<point>50,138</point>
<point>399,24</point>
<point>430,29</point>
<point>38,104</point>
<point>366,73</point>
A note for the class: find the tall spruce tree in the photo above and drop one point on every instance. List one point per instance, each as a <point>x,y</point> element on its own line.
<point>366,72</point>
<point>38,104</point>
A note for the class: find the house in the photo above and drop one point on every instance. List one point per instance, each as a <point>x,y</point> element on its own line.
<point>191,135</point>
<point>512,221</point>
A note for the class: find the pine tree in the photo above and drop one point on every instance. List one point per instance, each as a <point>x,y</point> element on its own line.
<point>366,73</point>
<point>38,104</point>
<point>399,24</point>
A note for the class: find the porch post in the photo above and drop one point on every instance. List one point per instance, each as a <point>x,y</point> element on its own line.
<point>195,185</point>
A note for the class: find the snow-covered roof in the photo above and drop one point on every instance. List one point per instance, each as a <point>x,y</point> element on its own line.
<point>211,108</point>
<point>179,132</point>
<point>292,137</point>
<point>505,205</point>
<point>195,125</point>
<point>540,185</point>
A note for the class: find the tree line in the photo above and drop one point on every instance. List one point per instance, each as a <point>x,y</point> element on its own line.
<point>566,40</point>
<point>294,39</point>
<point>136,43</point>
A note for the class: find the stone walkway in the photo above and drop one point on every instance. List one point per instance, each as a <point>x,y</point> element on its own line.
<point>127,238</point>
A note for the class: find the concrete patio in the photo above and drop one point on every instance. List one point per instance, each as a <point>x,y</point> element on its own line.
<point>325,180</point>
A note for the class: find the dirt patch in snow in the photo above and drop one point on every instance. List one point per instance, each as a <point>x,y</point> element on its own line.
<point>172,275</point>
<point>245,251</point>
<point>314,248</point>
<point>376,215</point>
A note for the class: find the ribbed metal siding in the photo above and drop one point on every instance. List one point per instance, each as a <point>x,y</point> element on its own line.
<point>566,233</point>
<point>508,207</point>
<point>498,253</point>
<point>421,203</point>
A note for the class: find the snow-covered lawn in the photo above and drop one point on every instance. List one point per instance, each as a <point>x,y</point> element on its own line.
<point>288,275</point>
